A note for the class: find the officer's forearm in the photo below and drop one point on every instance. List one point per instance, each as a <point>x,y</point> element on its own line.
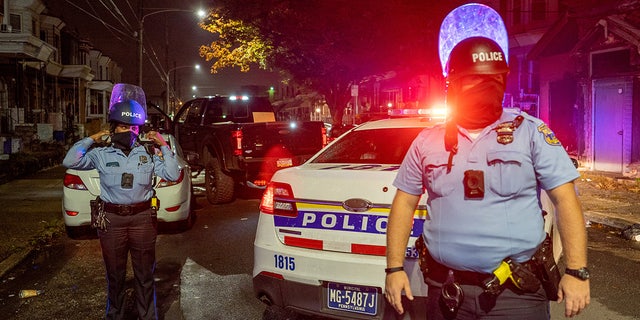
<point>399,227</point>
<point>571,225</point>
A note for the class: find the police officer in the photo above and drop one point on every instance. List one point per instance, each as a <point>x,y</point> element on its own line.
<point>126,174</point>
<point>483,171</point>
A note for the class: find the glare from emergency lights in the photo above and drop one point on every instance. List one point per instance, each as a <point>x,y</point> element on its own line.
<point>293,125</point>
<point>471,20</point>
<point>201,13</point>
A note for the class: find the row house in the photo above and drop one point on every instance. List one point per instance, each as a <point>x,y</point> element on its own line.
<point>590,83</point>
<point>53,84</point>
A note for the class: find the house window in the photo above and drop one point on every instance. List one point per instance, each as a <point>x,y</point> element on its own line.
<point>610,62</point>
<point>15,20</point>
<point>538,10</point>
<point>516,12</point>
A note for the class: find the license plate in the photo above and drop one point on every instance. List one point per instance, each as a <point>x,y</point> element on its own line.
<point>352,298</point>
<point>284,162</point>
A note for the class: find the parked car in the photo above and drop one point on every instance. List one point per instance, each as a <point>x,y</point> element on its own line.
<point>81,186</point>
<point>321,237</point>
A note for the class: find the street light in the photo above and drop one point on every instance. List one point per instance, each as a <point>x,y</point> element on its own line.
<point>200,13</point>
<point>167,80</point>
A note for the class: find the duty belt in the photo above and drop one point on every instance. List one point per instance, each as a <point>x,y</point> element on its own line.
<point>127,209</point>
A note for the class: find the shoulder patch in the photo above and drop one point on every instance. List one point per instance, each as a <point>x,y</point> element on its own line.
<point>549,136</point>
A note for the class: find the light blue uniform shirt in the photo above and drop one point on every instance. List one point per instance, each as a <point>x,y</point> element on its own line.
<point>477,234</point>
<point>111,163</point>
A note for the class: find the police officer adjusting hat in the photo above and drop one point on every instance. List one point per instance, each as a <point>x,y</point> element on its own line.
<point>128,112</point>
<point>476,55</point>
<point>128,104</point>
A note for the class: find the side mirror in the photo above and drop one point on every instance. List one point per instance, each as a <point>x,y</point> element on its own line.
<point>191,157</point>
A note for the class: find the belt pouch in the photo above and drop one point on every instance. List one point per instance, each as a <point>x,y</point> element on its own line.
<point>424,256</point>
<point>547,269</point>
<point>97,213</point>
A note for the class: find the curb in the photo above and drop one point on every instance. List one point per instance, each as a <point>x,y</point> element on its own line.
<point>608,220</point>
<point>13,260</point>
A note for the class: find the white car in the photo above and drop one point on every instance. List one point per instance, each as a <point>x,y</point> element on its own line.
<point>321,237</point>
<point>81,186</point>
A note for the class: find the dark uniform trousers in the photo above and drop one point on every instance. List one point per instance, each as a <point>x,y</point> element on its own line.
<point>476,304</point>
<point>135,234</point>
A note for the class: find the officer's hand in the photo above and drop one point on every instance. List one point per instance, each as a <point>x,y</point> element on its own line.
<point>97,137</point>
<point>394,284</point>
<point>156,137</point>
<point>575,293</point>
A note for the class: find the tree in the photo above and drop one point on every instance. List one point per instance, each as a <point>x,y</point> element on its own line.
<point>326,45</point>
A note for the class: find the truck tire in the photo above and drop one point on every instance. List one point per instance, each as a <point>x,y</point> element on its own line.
<point>219,186</point>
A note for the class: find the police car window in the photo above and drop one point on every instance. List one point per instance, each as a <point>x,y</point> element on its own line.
<point>380,146</point>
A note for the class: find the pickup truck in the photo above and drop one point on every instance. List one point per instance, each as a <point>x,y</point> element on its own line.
<point>237,142</point>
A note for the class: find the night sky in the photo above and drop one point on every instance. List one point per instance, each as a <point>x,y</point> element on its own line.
<point>171,38</point>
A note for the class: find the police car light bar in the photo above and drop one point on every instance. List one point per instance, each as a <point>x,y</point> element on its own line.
<point>430,112</point>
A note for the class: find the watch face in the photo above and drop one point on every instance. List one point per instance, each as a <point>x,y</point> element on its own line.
<point>582,273</point>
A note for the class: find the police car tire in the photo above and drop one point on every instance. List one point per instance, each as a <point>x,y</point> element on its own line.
<point>219,186</point>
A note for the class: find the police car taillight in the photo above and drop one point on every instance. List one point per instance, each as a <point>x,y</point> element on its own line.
<point>164,183</point>
<point>278,200</point>
<point>73,181</point>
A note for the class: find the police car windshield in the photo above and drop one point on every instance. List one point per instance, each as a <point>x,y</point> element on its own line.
<point>380,146</point>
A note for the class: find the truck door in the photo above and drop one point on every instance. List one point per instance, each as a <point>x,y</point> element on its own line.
<point>186,124</point>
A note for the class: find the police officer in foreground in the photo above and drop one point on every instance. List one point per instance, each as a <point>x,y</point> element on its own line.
<point>484,239</point>
<point>125,213</point>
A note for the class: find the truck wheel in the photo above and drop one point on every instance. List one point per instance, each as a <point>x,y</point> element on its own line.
<point>219,186</point>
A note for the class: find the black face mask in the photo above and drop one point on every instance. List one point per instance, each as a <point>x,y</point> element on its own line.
<point>478,106</point>
<point>124,140</point>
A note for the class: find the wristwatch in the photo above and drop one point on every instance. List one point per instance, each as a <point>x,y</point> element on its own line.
<point>582,273</point>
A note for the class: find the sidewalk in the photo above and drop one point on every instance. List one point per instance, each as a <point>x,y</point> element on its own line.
<point>609,199</point>
<point>30,214</point>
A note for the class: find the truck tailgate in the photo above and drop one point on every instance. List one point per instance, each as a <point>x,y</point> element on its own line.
<point>272,139</point>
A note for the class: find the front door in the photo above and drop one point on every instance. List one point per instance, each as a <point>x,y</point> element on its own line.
<point>611,98</point>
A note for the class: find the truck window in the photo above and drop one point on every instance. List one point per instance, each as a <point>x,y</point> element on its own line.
<point>215,112</point>
<point>239,109</point>
<point>194,112</point>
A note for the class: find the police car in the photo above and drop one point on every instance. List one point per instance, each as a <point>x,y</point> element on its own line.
<point>321,236</point>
